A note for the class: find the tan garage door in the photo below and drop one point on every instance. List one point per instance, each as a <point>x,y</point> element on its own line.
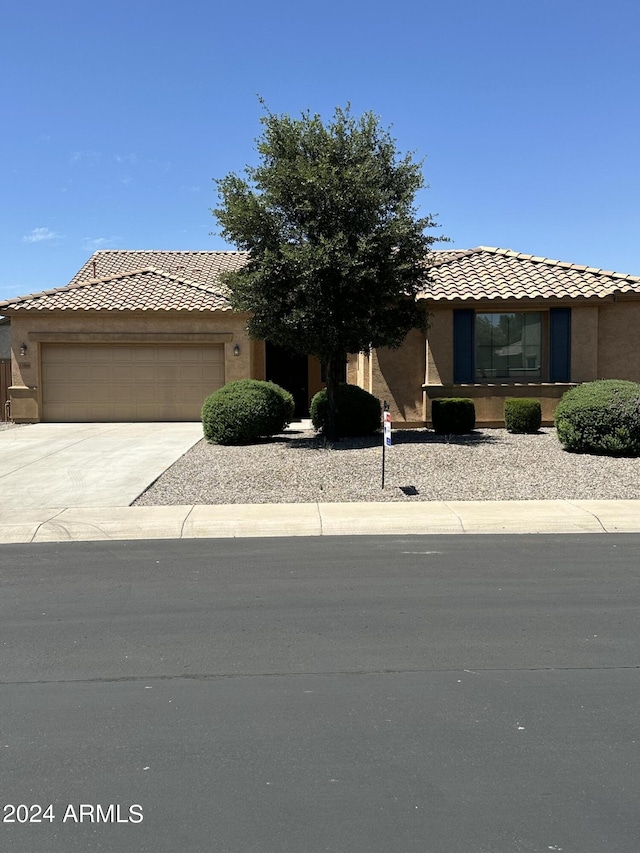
<point>117,382</point>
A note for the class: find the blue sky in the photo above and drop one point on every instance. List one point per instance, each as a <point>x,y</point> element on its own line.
<point>117,117</point>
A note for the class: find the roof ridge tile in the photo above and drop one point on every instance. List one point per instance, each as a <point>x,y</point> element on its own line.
<point>171,252</point>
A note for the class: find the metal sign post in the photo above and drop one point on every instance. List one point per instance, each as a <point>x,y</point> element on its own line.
<point>386,434</point>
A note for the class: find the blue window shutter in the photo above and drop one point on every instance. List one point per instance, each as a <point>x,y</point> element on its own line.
<point>464,346</point>
<point>560,345</point>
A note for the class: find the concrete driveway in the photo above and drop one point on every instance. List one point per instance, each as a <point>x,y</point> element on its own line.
<point>87,465</point>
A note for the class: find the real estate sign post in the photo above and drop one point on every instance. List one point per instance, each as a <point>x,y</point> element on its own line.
<point>386,434</point>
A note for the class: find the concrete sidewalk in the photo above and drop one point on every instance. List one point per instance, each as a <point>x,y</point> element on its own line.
<point>61,524</point>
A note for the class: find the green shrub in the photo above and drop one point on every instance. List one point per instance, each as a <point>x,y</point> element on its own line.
<point>453,415</point>
<point>522,415</point>
<point>601,417</point>
<point>244,411</point>
<point>359,413</point>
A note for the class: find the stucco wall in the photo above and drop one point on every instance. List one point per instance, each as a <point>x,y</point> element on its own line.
<point>397,376</point>
<point>489,399</point>
<point>584,342</point>
<point>588,341</point>
<point>619,340</point>
<point>359,370</point>
<point>226,327</point>
<point>604,344</point>
<point>440,346</point>
<point>34,329</point>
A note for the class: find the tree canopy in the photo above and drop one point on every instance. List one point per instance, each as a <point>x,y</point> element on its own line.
<point>337,252</point>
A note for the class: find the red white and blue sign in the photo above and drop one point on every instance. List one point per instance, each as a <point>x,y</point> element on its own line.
<point>386,423</point>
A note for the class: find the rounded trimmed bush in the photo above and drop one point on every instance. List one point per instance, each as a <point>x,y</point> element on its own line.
<point>359,413</point>
<point>453,415</point>
<point>244,411</point>
<point>522,415</point>
<point>601,417</point>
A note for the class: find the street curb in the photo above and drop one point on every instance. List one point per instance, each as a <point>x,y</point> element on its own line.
<point>83,524</point>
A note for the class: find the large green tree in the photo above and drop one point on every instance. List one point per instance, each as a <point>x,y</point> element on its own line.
<point>337,252</point>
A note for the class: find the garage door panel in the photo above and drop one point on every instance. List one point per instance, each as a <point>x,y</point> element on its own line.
<point>56,412</point>
<point>102,373</point>
<point>126,394</point>
<point>215,372</point>
<point>87,382</point>
<point>100,394</point>
<point>173,354</point>
<point>187,376</point>
<point>119,354</point>
<point>148,373</point>
<point>190,394</point>
<point>97,412</point>
<point>146,394</point>
<point>61,373</point>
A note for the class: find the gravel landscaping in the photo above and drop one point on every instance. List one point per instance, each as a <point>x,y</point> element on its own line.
<point>489,464</point>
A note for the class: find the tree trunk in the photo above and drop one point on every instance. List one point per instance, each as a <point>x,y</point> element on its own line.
<point>335,375</point>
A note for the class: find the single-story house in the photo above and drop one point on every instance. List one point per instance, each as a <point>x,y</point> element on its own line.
<point>142,336</point>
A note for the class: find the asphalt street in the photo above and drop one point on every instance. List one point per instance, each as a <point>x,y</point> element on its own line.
<point>395,694</point>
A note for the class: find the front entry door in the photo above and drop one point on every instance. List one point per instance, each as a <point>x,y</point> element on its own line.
<point>291,371</point>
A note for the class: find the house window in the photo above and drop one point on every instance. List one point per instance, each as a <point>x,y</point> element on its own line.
<point>517,346</point>
<point>508,345</point>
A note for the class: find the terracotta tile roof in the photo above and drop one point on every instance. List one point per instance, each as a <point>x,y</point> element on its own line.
<point>142,281</point>
<point>142,290</point>
<point>489,273</point>
<point>199,267</point>
<point>116,280</point>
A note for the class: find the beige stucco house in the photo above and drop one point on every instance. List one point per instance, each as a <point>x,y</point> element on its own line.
<point>505,324</point>
<point>144,336</point>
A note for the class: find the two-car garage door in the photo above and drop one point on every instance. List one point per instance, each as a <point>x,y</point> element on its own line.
<point>123,382</point>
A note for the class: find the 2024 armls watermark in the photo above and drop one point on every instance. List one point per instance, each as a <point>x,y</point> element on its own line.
<point>113,813</point>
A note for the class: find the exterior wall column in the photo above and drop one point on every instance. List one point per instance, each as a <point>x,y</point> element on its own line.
<point>584,343</point>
